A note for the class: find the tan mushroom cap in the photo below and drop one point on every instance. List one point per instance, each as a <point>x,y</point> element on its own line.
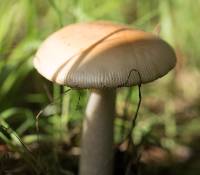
<point>103,54</point>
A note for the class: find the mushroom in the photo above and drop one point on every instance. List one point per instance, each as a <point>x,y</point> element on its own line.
<point>102,56</point>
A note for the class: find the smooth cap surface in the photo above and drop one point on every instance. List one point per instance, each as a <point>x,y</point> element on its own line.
<point>103,55</point>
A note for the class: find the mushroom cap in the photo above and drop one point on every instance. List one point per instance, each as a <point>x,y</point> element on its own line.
<point>103,55</point>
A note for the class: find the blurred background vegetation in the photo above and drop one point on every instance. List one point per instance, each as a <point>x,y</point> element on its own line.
<point>168,127</point>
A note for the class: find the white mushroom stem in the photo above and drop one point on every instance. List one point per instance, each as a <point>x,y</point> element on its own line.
<point>97,138</point>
